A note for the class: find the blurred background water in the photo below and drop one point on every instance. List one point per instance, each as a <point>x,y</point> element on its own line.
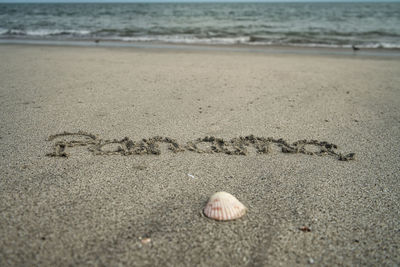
<point>374,25</point>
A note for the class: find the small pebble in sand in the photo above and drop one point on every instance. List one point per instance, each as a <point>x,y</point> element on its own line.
<point>223,206</point>
<point>305,229</point>
<point>310,260</point>
<point>145,241</point>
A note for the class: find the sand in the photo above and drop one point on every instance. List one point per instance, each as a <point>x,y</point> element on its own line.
<point>63,202</point>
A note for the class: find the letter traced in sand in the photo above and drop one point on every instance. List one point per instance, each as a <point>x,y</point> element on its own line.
<point>208,144</point>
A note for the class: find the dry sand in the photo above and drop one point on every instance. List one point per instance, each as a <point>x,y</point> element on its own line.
<point>90,209</point>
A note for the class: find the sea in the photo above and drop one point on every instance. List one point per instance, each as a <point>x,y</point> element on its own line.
<point>369,25</point>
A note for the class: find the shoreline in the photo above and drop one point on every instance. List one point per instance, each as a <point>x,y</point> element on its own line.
<point>262,49</point>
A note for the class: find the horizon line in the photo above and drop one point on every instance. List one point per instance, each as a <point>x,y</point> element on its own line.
<point>194,1</point>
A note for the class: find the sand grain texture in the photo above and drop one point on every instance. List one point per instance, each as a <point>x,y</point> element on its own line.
<point>96,209</point>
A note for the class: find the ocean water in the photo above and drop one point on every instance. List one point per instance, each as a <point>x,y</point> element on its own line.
<point>373,25</point>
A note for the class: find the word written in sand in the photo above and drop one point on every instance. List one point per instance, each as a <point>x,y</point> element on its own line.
<point>209,144</point>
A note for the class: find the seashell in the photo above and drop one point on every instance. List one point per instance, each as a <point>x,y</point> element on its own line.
<point>223,206</point>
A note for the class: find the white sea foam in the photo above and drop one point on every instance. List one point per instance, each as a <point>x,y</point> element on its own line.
<point>47,32</point>
<point>381,45</point>
<point>187,39</point>
<point>243,40</point>
<point>43,32</point>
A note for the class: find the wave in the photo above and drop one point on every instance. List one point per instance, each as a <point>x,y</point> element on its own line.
<point>189,39</point>
<point>43,32</point>
<point>221,37</point>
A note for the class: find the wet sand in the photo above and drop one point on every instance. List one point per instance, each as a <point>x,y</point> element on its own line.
<point>308,143</point>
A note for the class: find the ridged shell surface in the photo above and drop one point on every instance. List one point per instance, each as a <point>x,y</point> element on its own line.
<point>223,206</point>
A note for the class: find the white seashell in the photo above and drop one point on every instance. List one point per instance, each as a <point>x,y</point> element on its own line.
<point>223,206</point>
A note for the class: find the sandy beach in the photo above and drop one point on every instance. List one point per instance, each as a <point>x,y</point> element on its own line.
<point>78,200</point>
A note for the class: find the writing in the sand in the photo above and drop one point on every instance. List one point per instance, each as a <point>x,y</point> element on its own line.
<point>208,144</point>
